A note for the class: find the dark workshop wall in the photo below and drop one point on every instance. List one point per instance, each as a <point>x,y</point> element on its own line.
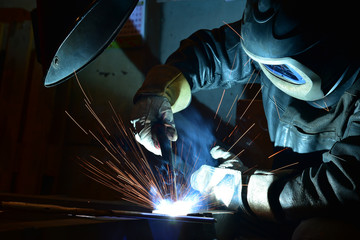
<point>182,18</point>
<point>32,124</point>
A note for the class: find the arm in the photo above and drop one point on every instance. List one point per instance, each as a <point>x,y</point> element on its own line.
<point>208,59</point>
<point>330,188</point>
<point>213,58</point>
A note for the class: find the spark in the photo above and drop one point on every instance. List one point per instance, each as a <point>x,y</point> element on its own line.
<point>237,155</point>
<point>129,172</point>
<point>232,105</point>
<point>286,166</point>
<point>219,124</point>
<point>81,88</point>
<point>228,136</point>
<point>252,141</point>
<point>232,67</point>
<point>233,30</point>
<point>251,102</point>
<point>232,132</point>
<point>276,107</point>
<point>228,122</point>
<point>91,110</point>
<point>125,168</point>
<point>277,152</point>
<point>246,84</point>
<point>325,108</point>
<point>247,62</point>
<point>254,79</point>
<point>217,110</point>
<point>75,122</point>
<point>96,159</point>
<point>97,139</point>
<point>241,136</point>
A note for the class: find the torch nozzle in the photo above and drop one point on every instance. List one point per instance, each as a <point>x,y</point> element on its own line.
<point>167,152</point>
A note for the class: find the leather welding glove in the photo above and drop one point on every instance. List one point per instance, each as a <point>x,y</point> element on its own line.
<point>262,192</point>
<point>227,159</point>
<point>223,183</point>
<point>256,195</point>
<point>165,91</point>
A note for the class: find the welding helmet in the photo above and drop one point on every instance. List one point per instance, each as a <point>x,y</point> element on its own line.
<point>300,45</point>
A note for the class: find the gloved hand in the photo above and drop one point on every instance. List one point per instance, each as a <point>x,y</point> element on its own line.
<point>255,195</point>
<point>149,113</point>
<point>225,184</point>
<point>165,91</point>
<point>227,159</point>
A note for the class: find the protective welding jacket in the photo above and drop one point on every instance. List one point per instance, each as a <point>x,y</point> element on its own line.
<point>215,59</point>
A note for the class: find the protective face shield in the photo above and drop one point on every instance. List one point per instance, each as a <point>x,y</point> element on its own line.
<point>295,46</point>
<point>290,76</point>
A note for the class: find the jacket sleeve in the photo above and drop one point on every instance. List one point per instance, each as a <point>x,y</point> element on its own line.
<point>329,188</point>
<point>333,187</point>
<point>213,58</point>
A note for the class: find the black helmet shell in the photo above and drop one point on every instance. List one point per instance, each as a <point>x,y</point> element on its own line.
<point>282,28</point>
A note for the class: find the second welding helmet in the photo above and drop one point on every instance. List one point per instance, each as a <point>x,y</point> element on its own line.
<point>297,45</point>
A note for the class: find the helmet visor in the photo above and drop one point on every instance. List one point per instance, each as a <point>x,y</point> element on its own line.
<point>290,76</point>
<point>286,73</point>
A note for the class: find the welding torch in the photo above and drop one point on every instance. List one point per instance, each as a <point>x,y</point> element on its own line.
<point>166,151</point>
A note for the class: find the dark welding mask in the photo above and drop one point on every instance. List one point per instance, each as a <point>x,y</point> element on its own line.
<point>295,46</point>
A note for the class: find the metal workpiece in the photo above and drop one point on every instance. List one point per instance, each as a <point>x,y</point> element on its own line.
<point>60,218</point>
<point>104,214</point>
<point>55,218</point>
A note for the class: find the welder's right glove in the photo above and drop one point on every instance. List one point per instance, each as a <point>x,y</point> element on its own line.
<point>165,91</point>
<point>148,112</point>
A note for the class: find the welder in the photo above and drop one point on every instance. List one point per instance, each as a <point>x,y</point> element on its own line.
<point>307,56</point>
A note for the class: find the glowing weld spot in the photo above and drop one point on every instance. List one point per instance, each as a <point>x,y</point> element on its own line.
<point>178,208</point>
